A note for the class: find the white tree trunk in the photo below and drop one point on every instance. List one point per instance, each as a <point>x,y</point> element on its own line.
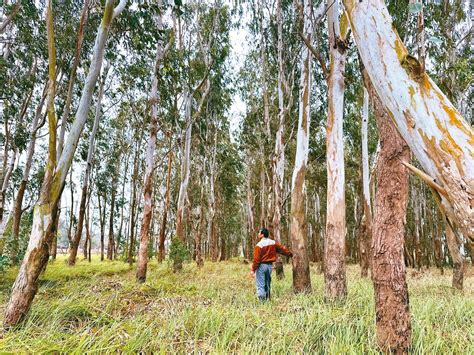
<point>279,160</point>
<point>185,169</point>
<point>298,227</point>
<point>442,141</point>
<point>334,247</point>
<point>367,208</point>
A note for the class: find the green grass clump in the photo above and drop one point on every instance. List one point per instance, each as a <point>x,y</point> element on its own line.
<point>98,307</point>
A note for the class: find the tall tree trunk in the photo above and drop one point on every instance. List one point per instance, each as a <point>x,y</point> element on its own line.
<point>185,169</point>
<point>26,283</point>
<point>71,211</point>
<point>212,234</point>
<point>438,135</point>
<point>250,216</point>
<point>279,157</point>
<point>334,247</point>
<point>388,267</point>
<point>131,246</point>
<point>161,253</point>
<point>102,212</point>
<point>150,155</point>
<point>36,256</point>
<point>72,74</point>
<point>367,208</point>
<point>85,184</point>
<point>111,241</point>
<point>298,228</point>
<point>17,209</point>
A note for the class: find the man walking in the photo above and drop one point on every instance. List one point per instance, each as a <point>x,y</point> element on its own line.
<point>264,255</point>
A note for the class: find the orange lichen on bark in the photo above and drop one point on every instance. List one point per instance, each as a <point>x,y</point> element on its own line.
<point>409,118</point>
<point>400,48</point>
<point>455,119</point>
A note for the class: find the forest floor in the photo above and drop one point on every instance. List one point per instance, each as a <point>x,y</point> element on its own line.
<point>99,307</point>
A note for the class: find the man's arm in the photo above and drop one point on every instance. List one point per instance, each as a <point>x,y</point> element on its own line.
<point>283,250</point>
<point>256,258</point>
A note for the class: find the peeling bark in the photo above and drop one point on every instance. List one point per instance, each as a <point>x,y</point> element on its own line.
<point>334,247</point>
<point>298,227</point>
<point>440,138</point>
<point>149,162</point>
<point>45,211</point>
<point>161,253</point>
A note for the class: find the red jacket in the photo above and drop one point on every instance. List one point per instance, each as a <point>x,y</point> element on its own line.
<point>266,252</point>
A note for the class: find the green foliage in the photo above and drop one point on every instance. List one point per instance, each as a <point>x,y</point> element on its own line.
<point>178,252</point>
<point>99,307</point>
<point>4,262</point>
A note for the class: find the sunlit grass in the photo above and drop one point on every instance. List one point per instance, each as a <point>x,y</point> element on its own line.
<point>99,307</point>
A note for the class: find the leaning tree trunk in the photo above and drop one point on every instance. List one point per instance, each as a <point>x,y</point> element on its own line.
<point>388,266</point>
<point>43,215</point>
<point>26,283</point>
<point>85,185</point>
<point>298,229</point>
<point>442,141</point>
<point>149,163</point>
<point>367,216</point>
<point>334,246</point>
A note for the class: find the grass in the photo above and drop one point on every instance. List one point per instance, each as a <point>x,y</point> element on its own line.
<point>99,307</point>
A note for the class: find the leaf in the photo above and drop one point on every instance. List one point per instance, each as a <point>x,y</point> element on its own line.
<point>415,8</point>
<point>435,40</point>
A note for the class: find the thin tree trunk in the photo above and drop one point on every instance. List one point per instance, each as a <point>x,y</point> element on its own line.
<point>212,234</point>
<point>161,253</point>
<point>131,246</point>
<point>185,169</point>
<point>367,208</point>
<point>72,75</point>
<point>334,251</point>
<point>17,209</point>
<point>298,229</point>
<point>102,212</point>
<point>392,319</point>
<point>85,184</point>
<point>110,244</point>
<point>150,154</point>
<point>279,159</point>
<point>458,262</point>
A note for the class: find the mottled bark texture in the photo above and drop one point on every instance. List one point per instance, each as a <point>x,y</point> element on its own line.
<point>440,138</point>
<point>334,248</point>
<point>298,226</point>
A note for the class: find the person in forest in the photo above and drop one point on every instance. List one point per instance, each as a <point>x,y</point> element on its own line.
<point>264,255</point>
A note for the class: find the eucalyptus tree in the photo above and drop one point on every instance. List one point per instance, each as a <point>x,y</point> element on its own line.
<point>161,50</point>
<point>298,226</point>
<point>85,184</point>
<point>436,132</point>
<point>366,234</point>
<point>334,246</point>
<point>26,283</point>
